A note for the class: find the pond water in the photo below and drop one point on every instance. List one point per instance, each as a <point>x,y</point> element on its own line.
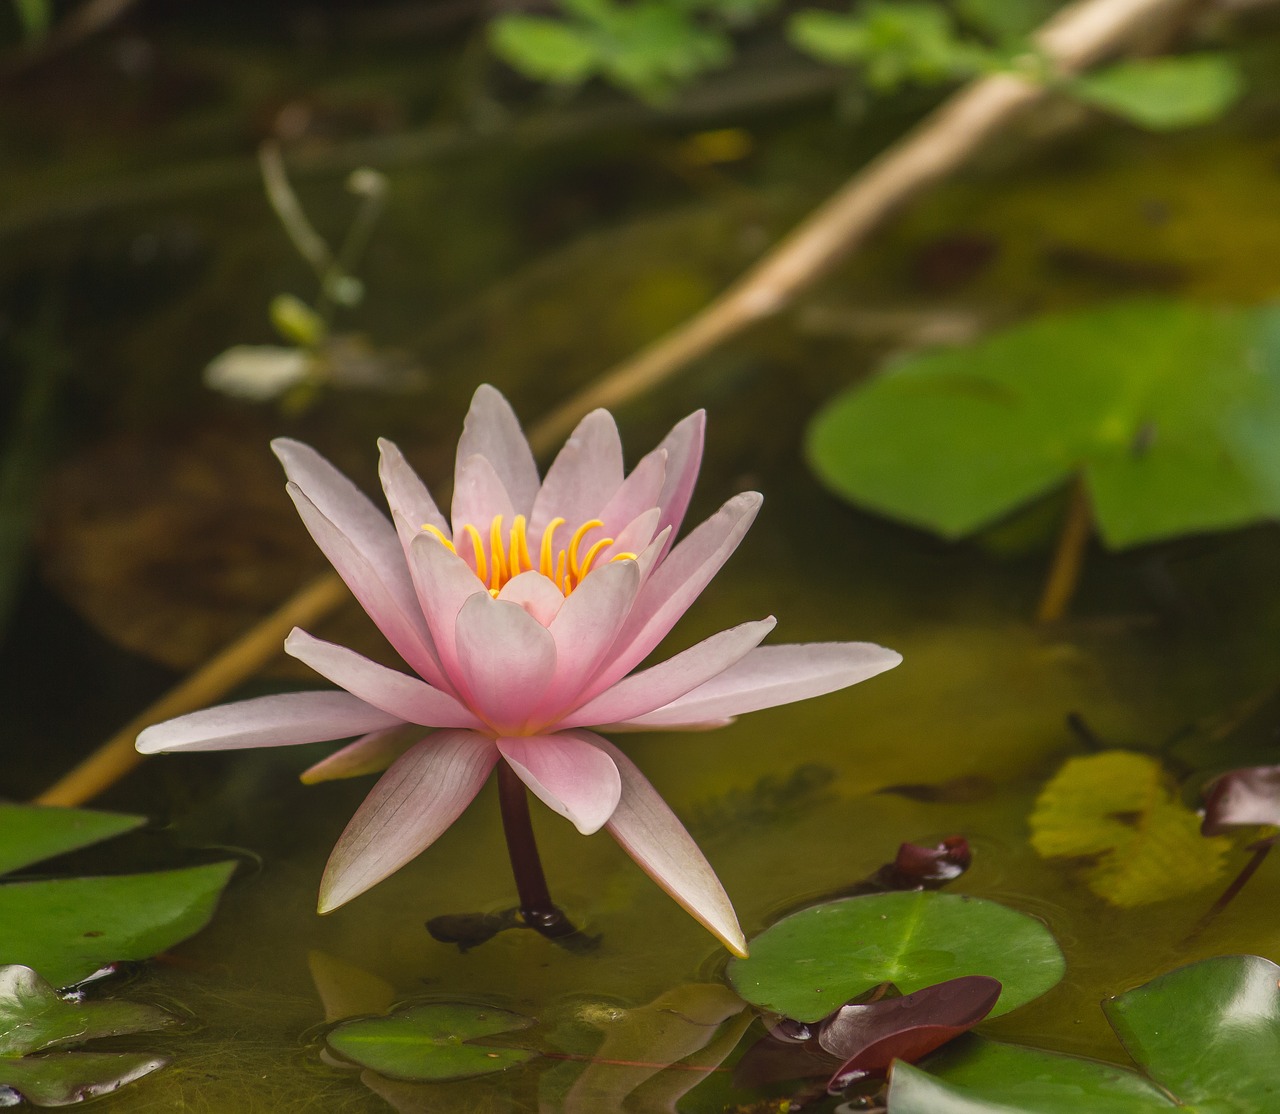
<point>534,269</point>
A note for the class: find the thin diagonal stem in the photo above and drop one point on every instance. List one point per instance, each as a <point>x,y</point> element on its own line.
<point>536,906</point>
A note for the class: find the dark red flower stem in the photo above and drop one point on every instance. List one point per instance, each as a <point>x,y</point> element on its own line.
<point>536,907</point>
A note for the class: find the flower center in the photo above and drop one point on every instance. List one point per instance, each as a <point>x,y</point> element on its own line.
<point>502,556</point>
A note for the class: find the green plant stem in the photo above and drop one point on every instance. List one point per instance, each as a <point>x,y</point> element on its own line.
<point>1068,557</point>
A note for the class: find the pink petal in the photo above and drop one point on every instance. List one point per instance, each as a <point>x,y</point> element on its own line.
<point>398,694</point>
<point>569,774</point>
<point>536,594</point>
<point>479,496</point>
<point>675,583</point>
<point>585,475</point>
<point>634,537</point>
<point>267,721</point>
<point>684,457</point>
<point>638,729</point>
<point>397,616</point>
<point>639,492</point>
<point>411,504</point>
<point>652,835</point>
<point>492,430</point>
<point>507,658</point>
<point>426,790</point>
<point>444,582</point>
<point>369,754</point>
<point>658,686</point>
<point>584,630</point>
<point>773,675</point>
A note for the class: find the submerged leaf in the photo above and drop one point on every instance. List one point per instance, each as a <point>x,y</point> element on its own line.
<point>69,928</point>
<point>813,962</point>
<point>1169,412</point>
<point>31,833</point>
<point>1117,811</point>
<point>431,1041</point>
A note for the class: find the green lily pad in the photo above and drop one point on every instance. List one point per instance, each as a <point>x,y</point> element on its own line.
<point>431,1041</point>
<point>30,833</point>
<point>34,1018</point>
<point>68,928</point>
<point>813,962</point>
<point>1169,412</point>
<point>1119,813</point>
<point>977,1076</point>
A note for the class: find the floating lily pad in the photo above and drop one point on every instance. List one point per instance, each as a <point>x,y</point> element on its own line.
<point>68,928</point>
<point>34,1018</point>
<point>1169,412</point>
<point>431,1041</point>
<point>30,833</point>
<point>1119,813</point>
<point>815,961</point>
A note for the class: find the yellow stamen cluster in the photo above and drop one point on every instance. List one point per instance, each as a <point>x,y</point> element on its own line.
<point>504,558</point>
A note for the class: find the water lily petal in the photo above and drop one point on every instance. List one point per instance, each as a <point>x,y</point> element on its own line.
<point>674,584</point>
<point>369,754</point>
<point>683,446</point>
<point>639,492</point>
<point>444,582</point>
<point>400,620</point>
<point>267,721</point>
<point>425,790</point>
<point>568,774</point>
<point>507,659</point>
<point>773,675</point>
<point>411,503</point>
<point>479,496</point>
<point>405,697</point>
<point>635,537</point>
<point>659,685</point>
<point>585,628</point>
<point>583,478</point>
<point>651,834</point>
<point>492,430</point>
<point>536,594</point>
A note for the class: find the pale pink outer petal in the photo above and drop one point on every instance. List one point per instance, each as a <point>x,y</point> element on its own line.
<point>659,685</point>
<point>584,629</point>
<point>675,583</point>
<point>634,538</point>
<point>536,594</point>
<point>492,430</point>
<point>683,446</point>
<point>639,492</point>
<point>507,659</point>
<point>411,503</point>
<point>444,582</point>
<point>633,729</point>
<point>773,675</point>
<point>267,721</point>
<point>369,754</point>
<point>569,774</point>
<point>479,496</point>
<point>651,834</point>
<point>585,475</point>
<point>399,619</point>
<point>398,694</point>
<point>425,790</point>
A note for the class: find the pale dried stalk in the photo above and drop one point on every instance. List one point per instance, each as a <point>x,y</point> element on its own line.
<point>1076,37</point>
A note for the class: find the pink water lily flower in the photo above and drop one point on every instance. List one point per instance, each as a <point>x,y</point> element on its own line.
<point>524,616</point>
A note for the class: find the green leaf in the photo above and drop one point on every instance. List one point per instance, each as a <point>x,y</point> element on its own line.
<point>547,49</point>
<point>36,17</point>
<point>813,962</point>
<point>70,1077</point>
<point>1119,812</point>
<point>30,833</point>
<point>1162,94</point>
<point>432,1041</point>
<point>1171,412</point>
<point>69,928</point>
<point>976,1076</point>
<point>1209,1033</point>
<point>1006,20</point>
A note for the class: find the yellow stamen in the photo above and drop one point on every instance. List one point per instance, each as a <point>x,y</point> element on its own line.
<point>562,575</point>
<point>482,567</point>
<point>577,571</point>
<point>497,554</point>
<point>436,533</point>
<point>592,553</point>
<point>545,565</point>
<point>520,561</point>
<point>623,557</point>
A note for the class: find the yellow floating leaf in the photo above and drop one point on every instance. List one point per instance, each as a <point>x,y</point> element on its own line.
<point>1118,811</point>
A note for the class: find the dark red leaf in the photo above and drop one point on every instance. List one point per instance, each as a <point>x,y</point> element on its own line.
<point>868,1038</point>
<point>1242,797</point>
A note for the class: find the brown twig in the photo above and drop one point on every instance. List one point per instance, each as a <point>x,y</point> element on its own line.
<point>937,146</point>
<point>1068,557</point>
